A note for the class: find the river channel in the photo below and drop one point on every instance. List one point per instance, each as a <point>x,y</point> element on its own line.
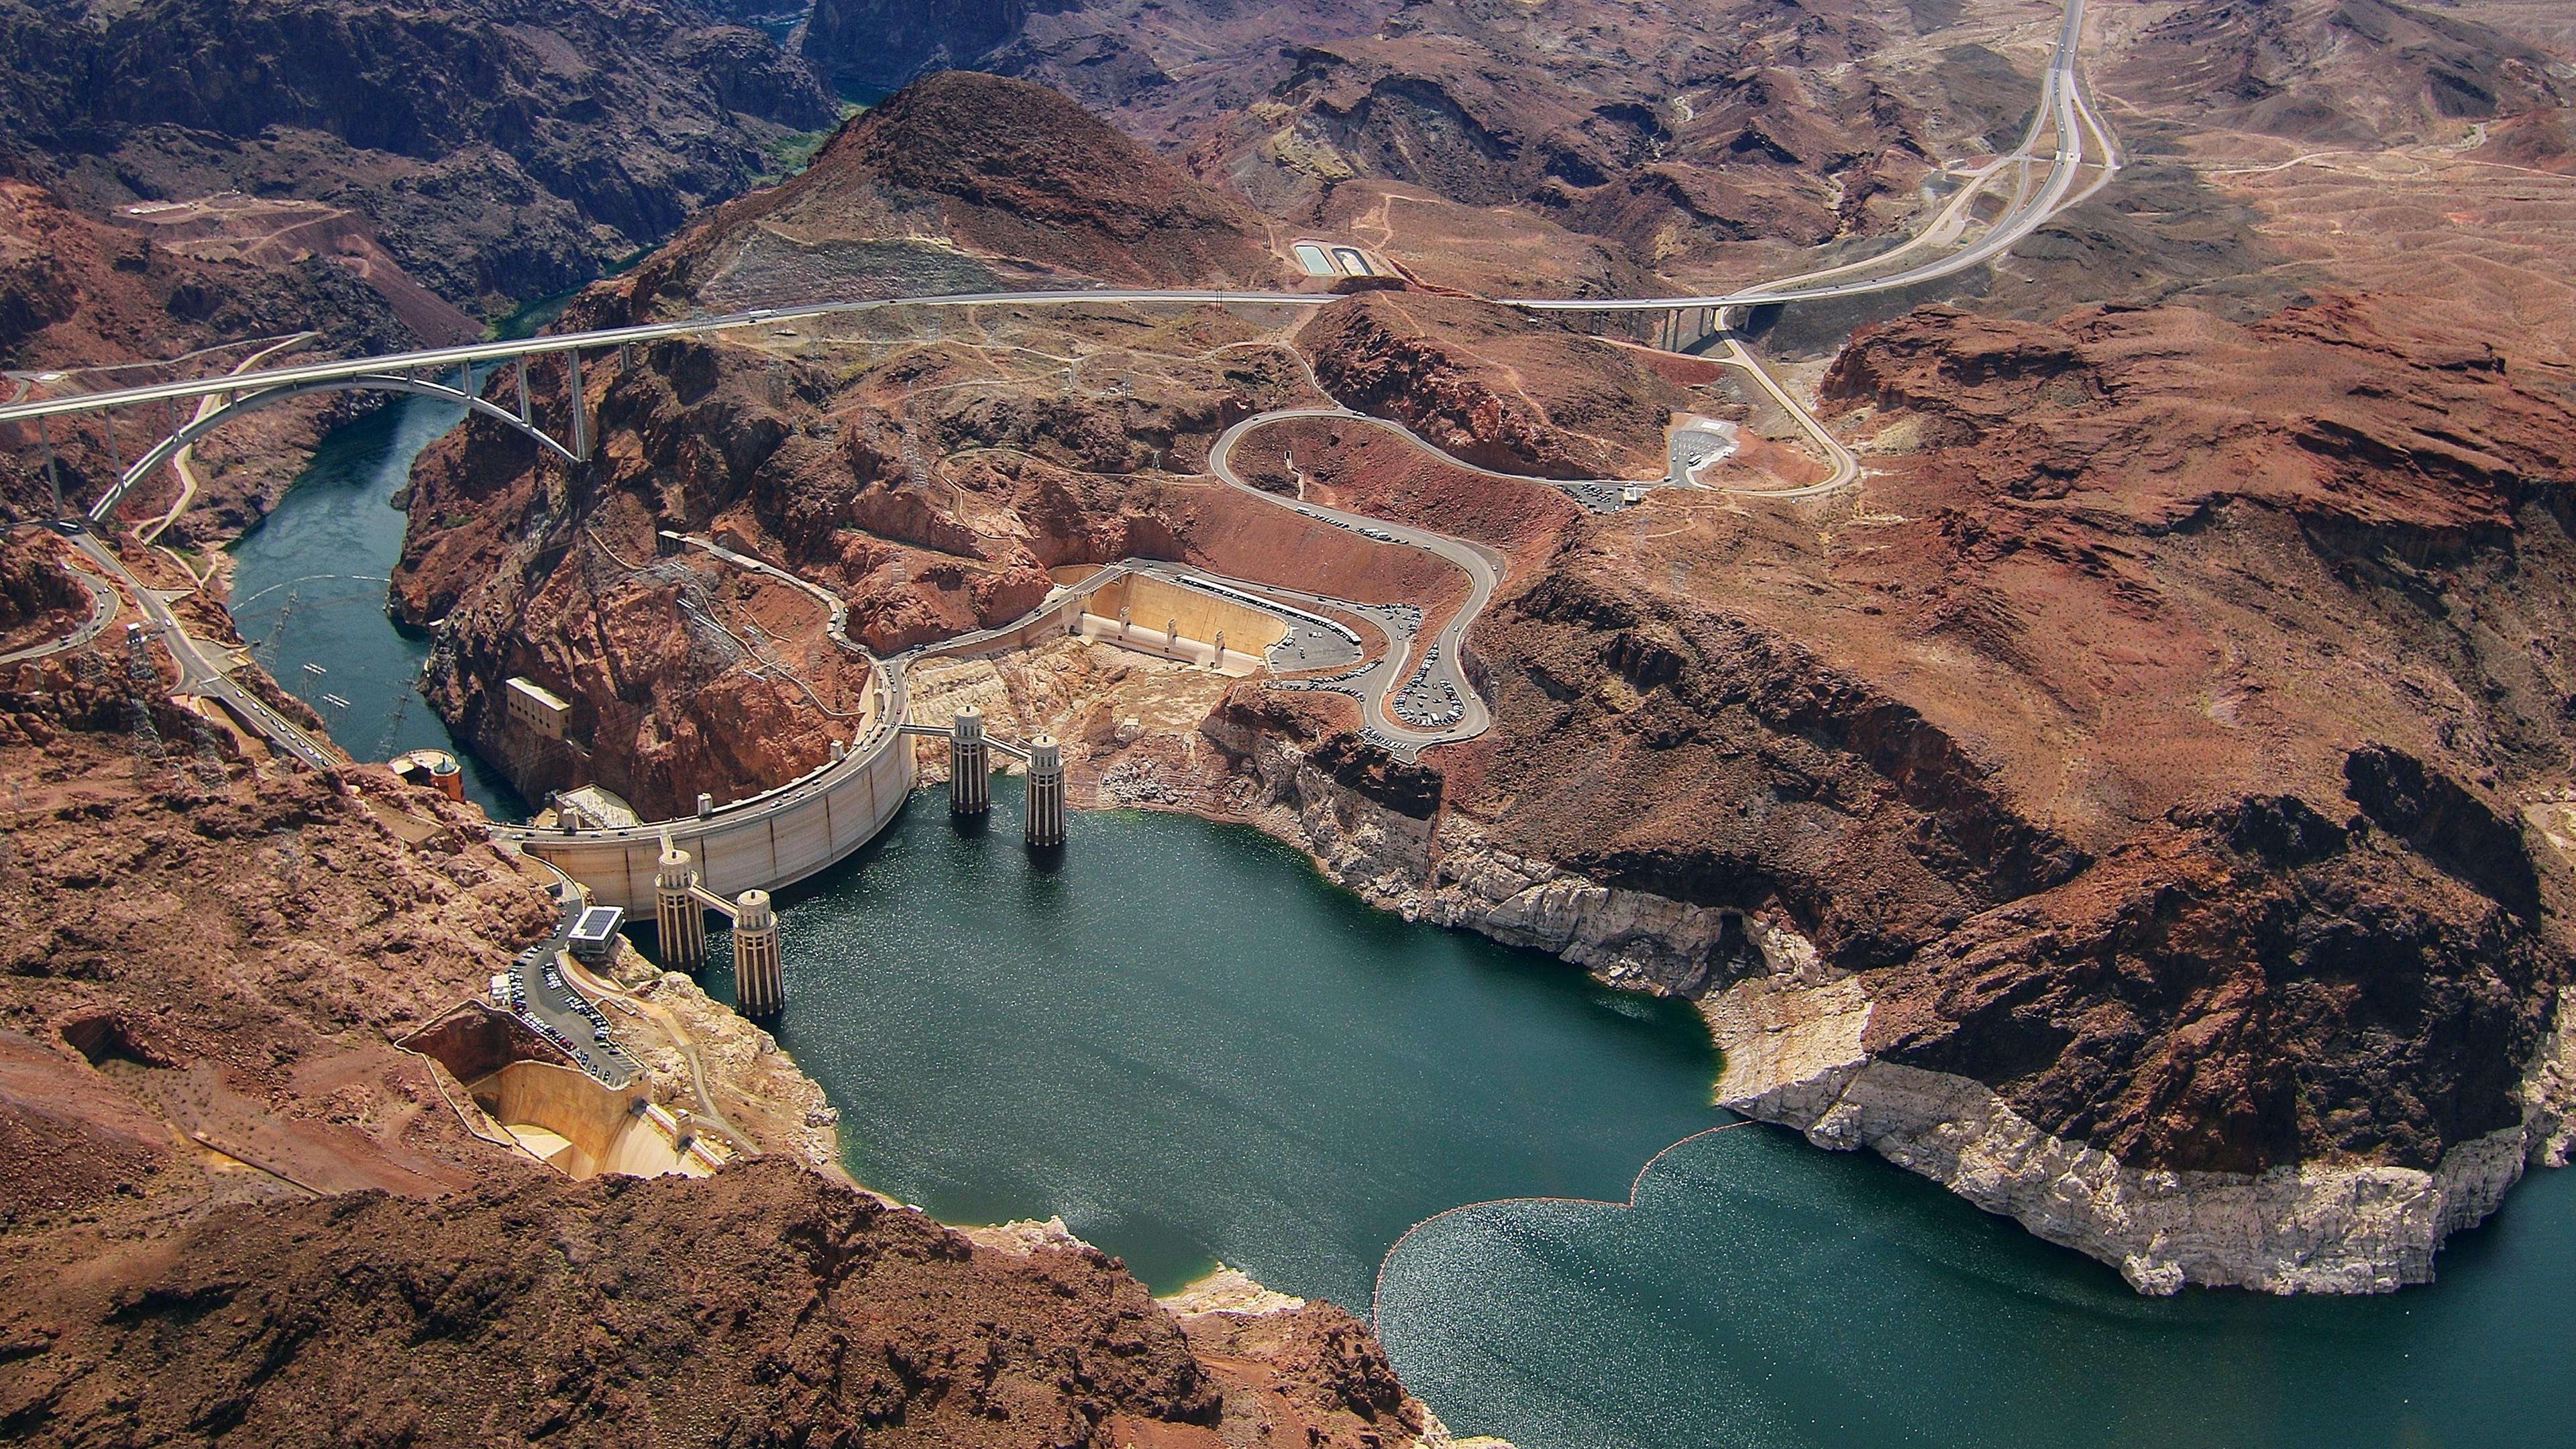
<point>1190,1047</point>
<point>309,595</point>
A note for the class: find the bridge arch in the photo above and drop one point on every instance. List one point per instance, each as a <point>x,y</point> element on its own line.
<point>168,448</point>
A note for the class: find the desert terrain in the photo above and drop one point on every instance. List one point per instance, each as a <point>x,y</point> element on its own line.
<point>2094,730</point>
<point>2171,669</point>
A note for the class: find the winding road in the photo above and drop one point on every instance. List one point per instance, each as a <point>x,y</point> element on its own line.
<point>2077,137</point>
<point>2063,113</point>
<point>102,608</point>
<point>209,676</point>
<point>183,462</point>
<point>1484,574</point>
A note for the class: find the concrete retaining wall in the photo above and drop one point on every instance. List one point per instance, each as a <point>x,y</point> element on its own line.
<point>1150,603</point>
<point>599,1126</point>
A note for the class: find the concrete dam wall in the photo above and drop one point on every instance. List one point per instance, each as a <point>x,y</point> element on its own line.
<point>764,843</point>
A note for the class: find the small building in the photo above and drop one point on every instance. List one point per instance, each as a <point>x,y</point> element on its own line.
<point>595,934</point>
<point>436,769</point>
<point>533,706</point>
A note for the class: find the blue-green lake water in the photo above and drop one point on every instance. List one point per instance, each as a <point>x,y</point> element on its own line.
<point>1192,1048</point>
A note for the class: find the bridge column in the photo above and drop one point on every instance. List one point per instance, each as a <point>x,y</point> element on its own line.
<point>677,917</point>
<point>1046,794</point>
<point>970,767</point>
<point>580,407</point>
<point>759,987</point>
<point>53,479</point>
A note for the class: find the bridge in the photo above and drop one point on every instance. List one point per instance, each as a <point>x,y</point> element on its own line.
<point>788,833</point>
<point>2064,115</point>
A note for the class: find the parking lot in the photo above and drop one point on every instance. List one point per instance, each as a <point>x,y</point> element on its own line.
<point>536,990</point>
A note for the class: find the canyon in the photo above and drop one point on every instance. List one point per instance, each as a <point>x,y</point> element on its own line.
<point>206,1094</point>
<point>2133,793</point>
<point>2013,743</point>
<point>497,151</point>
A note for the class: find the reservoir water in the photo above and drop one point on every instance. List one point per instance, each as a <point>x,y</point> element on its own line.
<point>1194,1049</point>
<point>1191,1048</point>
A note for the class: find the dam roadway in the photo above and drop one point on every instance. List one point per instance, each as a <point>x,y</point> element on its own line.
<point>795,830</point>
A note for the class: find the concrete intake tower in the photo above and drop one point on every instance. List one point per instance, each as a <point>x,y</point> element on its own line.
<point>679,917</point>
<point>759,988</point>
<point>970,766</point>
<point>680,905</point>
<point>1046,793</point>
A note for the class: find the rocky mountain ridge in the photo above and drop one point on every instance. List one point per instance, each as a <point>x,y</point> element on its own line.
<point>763,1298</point>
<point>961,183</point>
<point>501,149</point>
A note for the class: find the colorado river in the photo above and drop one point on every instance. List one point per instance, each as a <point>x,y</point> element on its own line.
<point>309,589</point>
<point>1192,1048</point>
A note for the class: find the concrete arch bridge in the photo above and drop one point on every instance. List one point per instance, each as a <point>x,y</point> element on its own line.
<point>573,448</point>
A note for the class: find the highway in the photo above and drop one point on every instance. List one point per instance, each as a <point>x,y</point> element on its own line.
<point>102,608</point>
<point>2063,113</point>
<point>208,677</point>
<point>437,360</point>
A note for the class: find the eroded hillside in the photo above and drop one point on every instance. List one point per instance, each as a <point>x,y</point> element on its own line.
<point>500,151</point>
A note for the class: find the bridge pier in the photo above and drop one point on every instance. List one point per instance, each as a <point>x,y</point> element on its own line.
<point>678,919</point>
<point>580,406</point>
<point>1046,794</point>
<point>970,767</point>
<point>53,479</point>
<point>759,987</point>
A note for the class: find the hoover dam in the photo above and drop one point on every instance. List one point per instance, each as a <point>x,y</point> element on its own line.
<point>1363,725</point>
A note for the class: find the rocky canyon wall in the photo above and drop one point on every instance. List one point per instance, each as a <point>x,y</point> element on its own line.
<point>240,1207</point>
<point>500,150</point>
